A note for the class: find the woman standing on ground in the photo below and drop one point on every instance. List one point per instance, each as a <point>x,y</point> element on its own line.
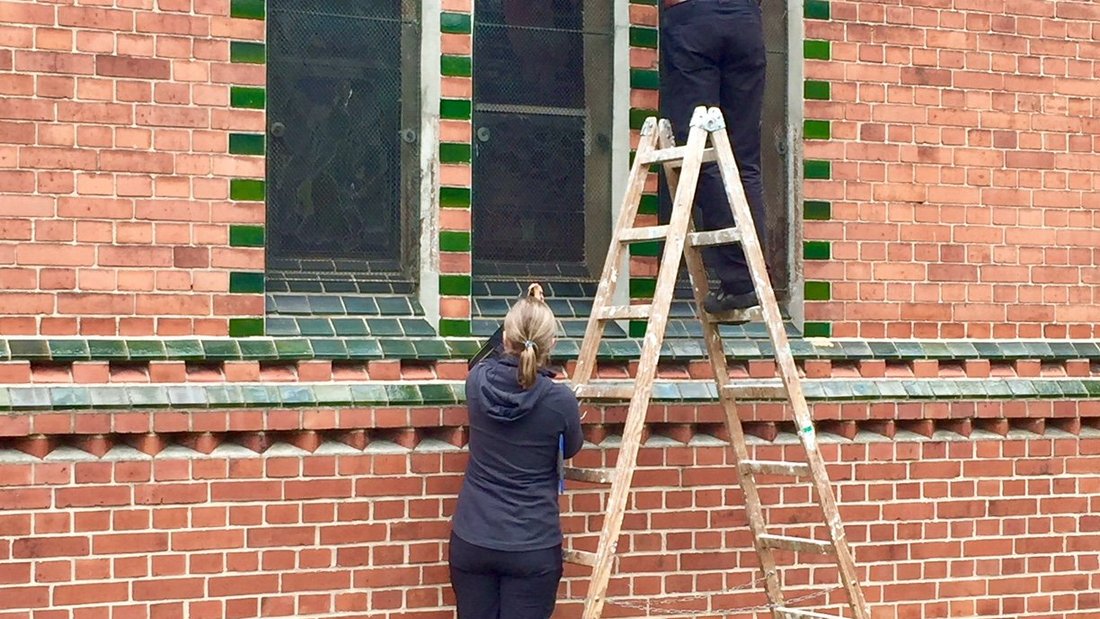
<point>505,555</point>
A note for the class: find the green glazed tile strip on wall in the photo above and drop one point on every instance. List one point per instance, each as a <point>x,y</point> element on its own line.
<point>817,210</point>
<point>643,37</point>
<point>816,250</point>
<point>645,79</point>
<point>455,109</point>
<point>816,9</point>
<point>246,189</point>
<point>246,327</point>
<point>456,66</point>
<point>247,52</point>
<point>638,117</point>
<point>454,328</point>
<point>816,90</point>
<point>455,23</point>
<point>455,285</point>
<point>454,153</point>
<point>246,236</point>
<point>649,204</point>
<point>247,9</point>
<point>647,249</point>
<point>246,282</point>
<point>817,329</point>
<point>246,143</point>
<point>816,50</point>
<point>642,287</point>
<point>816,129</point>
<point>454,197</point>
<point>814,169</point>
<point>818,291</point>
<point>454,240</point>
<point>247,97</point>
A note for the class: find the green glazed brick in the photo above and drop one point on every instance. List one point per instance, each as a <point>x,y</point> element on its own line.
<point>455,23</point>
<point>817,170</point>
<point>648,248</point>
<point>817,210</point>
<point>246,190</point>
<point>454,197</point>
<point>648,204</point>
<point>246,327</point>
<point>246,236</point>
<point>455,109</point>
<point>243,282</point>
<point>817,329</point>
<point>645,2</point>
<point>636,328</point>
<point>247,97</point>
<point>645,79</point>
<point>642,287</point>
<point>816,9</point>
<point>643,37</point>
<point>454,328</point>
<point>816,250</point>
<point>816,90</point>
<point>818,291</point>
<point>247,52</point>
<point>247,9</point>
<point>816,130</point>
<point>454,153</point>
<point>454,285</point>
<point>456,66</point>
<point>638,117</point>
<point>453,240</point>
<point>817,50</point>
<point>246,143</point>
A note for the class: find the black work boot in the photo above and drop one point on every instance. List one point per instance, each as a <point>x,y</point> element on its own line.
<point>720,301</point>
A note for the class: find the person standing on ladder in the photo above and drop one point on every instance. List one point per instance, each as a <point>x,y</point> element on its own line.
<point>712,53</point>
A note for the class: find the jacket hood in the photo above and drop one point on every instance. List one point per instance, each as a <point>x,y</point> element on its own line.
<point>504,398</point>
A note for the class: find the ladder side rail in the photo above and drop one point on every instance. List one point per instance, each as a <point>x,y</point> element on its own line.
<point>647,370</point>
<point>586,358</point>
<point>773,322</point>
<point>717,355</point>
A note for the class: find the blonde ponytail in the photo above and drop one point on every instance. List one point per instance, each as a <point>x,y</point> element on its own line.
<point>529,331</point>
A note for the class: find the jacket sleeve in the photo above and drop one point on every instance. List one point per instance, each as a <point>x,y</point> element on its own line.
<point>571,412</point>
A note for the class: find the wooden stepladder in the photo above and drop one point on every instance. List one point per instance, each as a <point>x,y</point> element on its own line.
<point>682,167</point>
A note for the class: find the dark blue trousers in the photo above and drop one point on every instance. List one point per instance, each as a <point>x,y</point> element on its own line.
<point>712,53</point>
<point>491,584</point>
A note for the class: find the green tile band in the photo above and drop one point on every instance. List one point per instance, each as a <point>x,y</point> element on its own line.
<point>246,236</point>
<point>645,79</point>
<point>647,249</point>
<point>246,190</point>
<point>816,250</point>
<point>453,240</point>
<point>246,143</point>
<point>455,23</point>
<point>456,66</point>
<point>247,9</point>
<point>638,117</point>
<point>814,169</point>
<point>247,52</point>
<point>818,291</point>
<point>816,50</point>
<point>455,109</point>
<point>455,285</point>
<point>648,204</point>
<point>454,328</point>
<point>454,153</point>
<point>643,37</point>
<point>454,197</point>
<point>816,90</point>
<point>247,97</point>
<point>816,9</point>
<point>642,287</point>
<point>246,327</point>
<point>816,130</point>
<point>817,329</point>
<point>246,282</point>
<point>817,210</point>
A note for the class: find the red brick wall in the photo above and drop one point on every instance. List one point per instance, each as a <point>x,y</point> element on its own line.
<point>114,167</point>
<point>965,164</point>
<point>983,527</point>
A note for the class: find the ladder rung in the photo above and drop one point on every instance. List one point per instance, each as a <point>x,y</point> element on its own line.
<point>580,557</point>
<point>793,469</point>
<point>623,312</point>
<point>796,544</point>
<point>619,391</point>
<point>643,233</point>
<point>798,613</point>
<point>725,236</point>
<point>674,154</point>
<point>767,389</point>
<point>592,476</point>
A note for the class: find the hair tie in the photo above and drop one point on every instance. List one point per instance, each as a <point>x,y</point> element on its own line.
<point>529,344</point>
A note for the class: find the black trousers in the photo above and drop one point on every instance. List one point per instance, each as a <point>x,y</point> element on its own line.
<point>712,53</point>
<point>491,584</point>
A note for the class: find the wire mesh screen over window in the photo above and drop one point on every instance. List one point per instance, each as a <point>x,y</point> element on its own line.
<point>542,98</point>
<point>334,122</point>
